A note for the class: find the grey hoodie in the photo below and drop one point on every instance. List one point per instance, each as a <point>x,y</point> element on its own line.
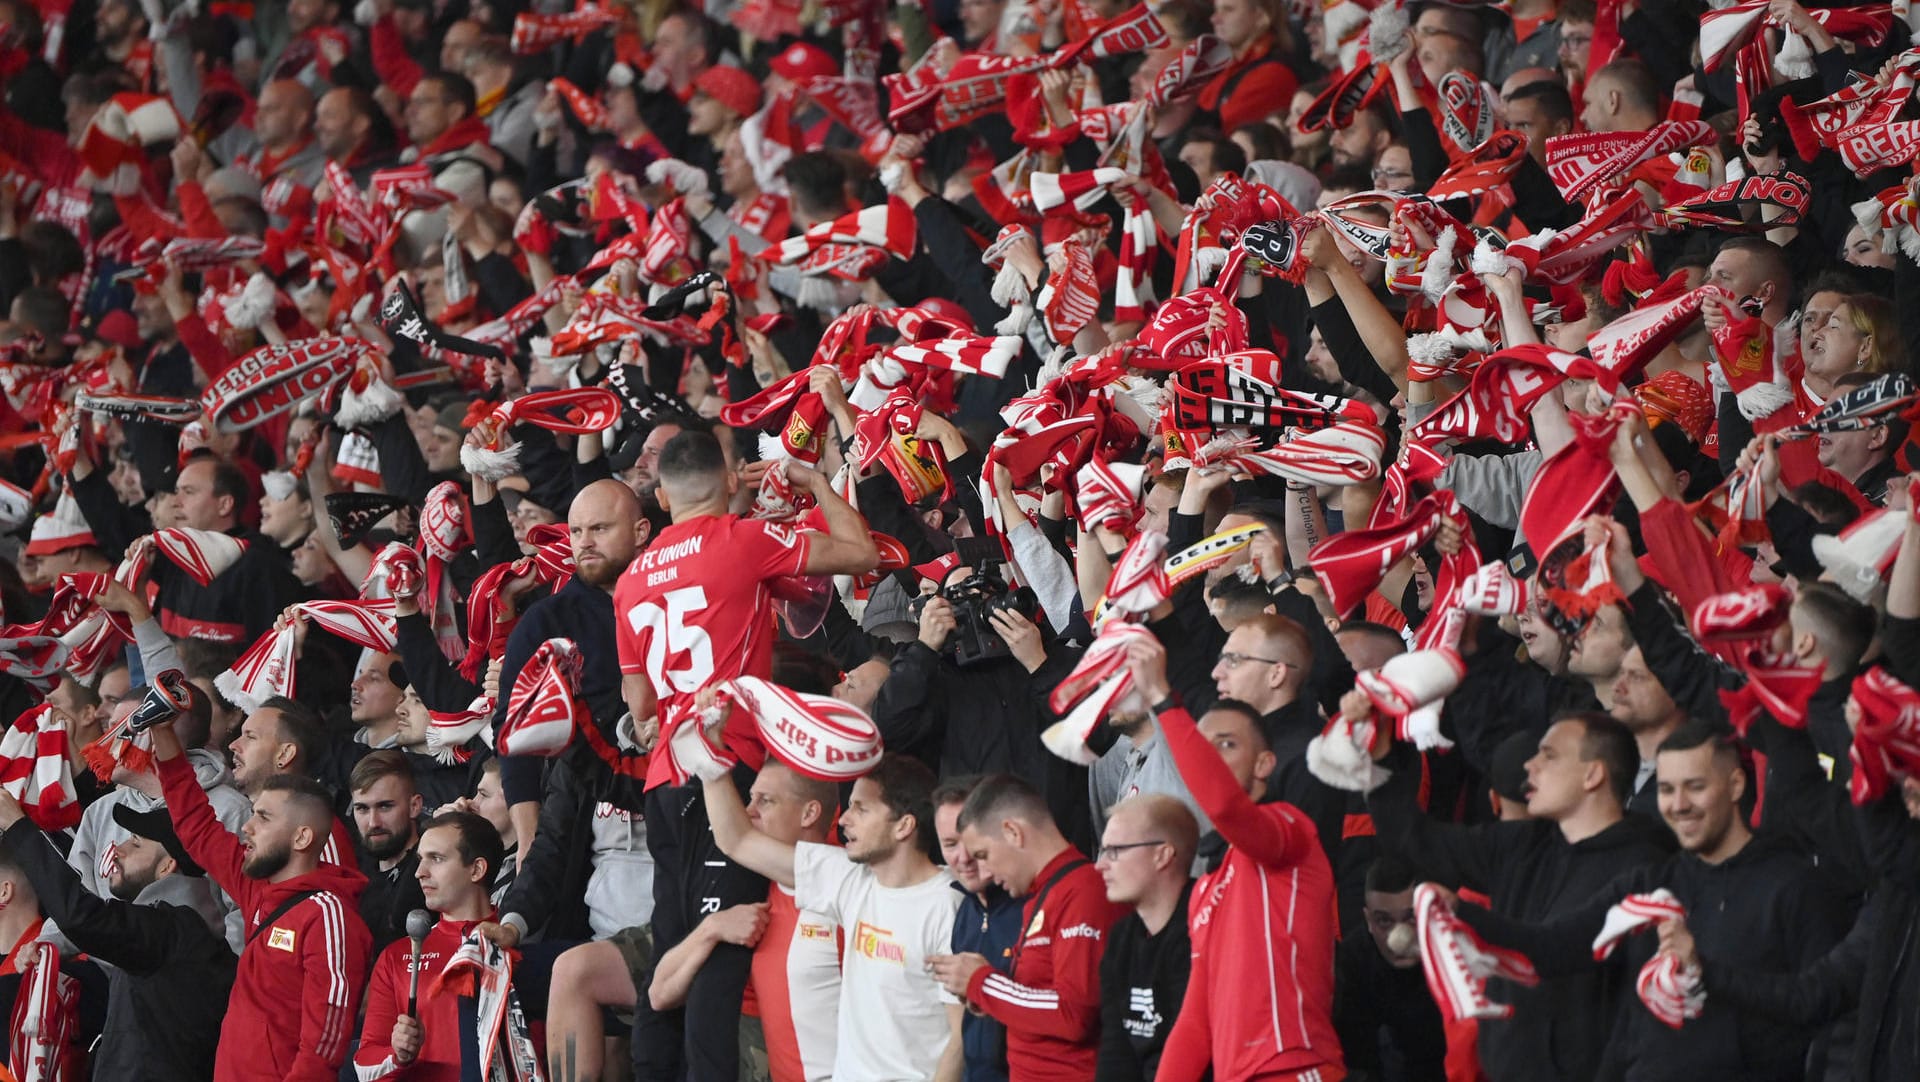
<point>98,835</point>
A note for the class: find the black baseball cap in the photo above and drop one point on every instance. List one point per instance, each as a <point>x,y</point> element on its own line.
<point>156,825</point>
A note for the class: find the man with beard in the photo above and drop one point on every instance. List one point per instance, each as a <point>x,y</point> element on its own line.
<point>606,529</point>
<point>299,979</point>
<point>160,932</point>
<point>386,810</point>
<point>894,903</point>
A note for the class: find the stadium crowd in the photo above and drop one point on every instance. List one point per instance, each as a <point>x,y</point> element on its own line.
<point>1286,540</point>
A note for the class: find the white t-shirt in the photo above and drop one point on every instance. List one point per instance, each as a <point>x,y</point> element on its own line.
<point>893,1017</point>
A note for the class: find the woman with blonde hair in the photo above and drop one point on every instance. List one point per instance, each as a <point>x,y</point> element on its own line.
<point>1861,335</point>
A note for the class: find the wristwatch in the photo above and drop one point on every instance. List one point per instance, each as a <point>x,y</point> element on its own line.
<point>1171,702</point>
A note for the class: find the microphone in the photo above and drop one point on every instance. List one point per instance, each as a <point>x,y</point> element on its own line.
<point>419,923</point>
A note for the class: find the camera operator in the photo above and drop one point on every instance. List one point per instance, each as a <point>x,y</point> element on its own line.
<point>969,695</point>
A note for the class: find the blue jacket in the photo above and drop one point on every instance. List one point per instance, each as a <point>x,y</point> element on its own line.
<point>990,929</point>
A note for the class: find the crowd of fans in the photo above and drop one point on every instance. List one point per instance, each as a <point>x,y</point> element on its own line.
<point>980,539</point>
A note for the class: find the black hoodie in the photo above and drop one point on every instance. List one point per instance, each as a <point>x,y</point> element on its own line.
<point>1531,873</point>
<point>1876,968</point>
<point>1766,905</point>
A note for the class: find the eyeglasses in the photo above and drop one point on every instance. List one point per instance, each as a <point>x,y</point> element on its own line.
<point>1112,852</point>
<point>1381,176</point>
<point>1233,661</point>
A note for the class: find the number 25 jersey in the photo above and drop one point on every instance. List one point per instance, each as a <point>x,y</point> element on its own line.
<point>695,607</point>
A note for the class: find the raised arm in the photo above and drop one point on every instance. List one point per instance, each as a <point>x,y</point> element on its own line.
<point>135,938</point>
<point>847,547</point>
<point>760,853</point>
<point>1275,835</point>
<point>208,841</point>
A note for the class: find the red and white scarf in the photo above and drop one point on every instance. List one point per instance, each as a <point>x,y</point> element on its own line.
<point>575,410</point>
<point>1458,963</point>
<point>46,1016</point>
<point>482,970</point>
<point>1672,993</point>
<point>544,708</point>
<point>1886,743</point>
<point>36,770</point>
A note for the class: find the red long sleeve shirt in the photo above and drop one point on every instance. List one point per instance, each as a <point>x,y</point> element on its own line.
<point>298,984</point>
<point>1260,995</point>
<point>1050,1003</point>
<point>439,1058</point>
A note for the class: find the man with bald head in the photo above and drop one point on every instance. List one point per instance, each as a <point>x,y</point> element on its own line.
<point>1621,97</point>
<point>606,529</point>
<point>1144,857</point>
<point>283,125</point>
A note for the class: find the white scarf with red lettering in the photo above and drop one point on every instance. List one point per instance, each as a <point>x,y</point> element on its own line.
<point>1458,962</point>
<point>482,970</point>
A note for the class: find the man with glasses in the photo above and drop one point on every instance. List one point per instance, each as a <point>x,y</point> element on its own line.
<point>443,122</point>
<point>1144,857</point>
<point>1576,39</point>
<point>1259,1000</point>
<point>1265,666</point>
<point>1394,170</point>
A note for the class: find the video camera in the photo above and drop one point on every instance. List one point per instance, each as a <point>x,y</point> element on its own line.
<point>975,599</point>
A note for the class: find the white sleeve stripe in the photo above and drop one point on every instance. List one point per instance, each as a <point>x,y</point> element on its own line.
<point>364,1073</point>
<point>333,945</point>
<point>1020,995</point>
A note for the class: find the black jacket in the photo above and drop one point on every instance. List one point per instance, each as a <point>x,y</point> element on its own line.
<point>1389,1025</point>
<point>1766,904</point>
<point>169,996</point>
<point>583,613</point>
<point>1143,979</point>
<point>1530,873</point>
<point>1876,968</point>
<point>983,719</point>
<point>389,897</point>
<point>549,891</point>
<point>239,605</point>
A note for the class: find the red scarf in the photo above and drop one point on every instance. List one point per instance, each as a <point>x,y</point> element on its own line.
<point>469,131</point>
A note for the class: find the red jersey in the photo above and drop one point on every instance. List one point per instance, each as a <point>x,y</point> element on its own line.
<point>1260,1001</point>
<point>796,984</point>
<point>439,1058</point>
<point>695,607</point>
<point>1050,1002</point>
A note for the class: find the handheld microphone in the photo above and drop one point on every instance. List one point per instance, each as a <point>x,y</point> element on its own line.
<point>419,923</point>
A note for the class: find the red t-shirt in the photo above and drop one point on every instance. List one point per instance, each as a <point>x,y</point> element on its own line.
<point>695,608</point>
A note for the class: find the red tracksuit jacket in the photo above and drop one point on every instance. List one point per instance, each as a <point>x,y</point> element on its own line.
<point>298,986</point>
<point>1050,1003</point>
<point>439,1059</point>
<point>1260,995</point>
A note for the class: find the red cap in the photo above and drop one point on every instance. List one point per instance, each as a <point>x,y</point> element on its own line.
<point>731,87</point>
<point>801,61</point>
<point>938,570</point>
<point>118,328</point>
